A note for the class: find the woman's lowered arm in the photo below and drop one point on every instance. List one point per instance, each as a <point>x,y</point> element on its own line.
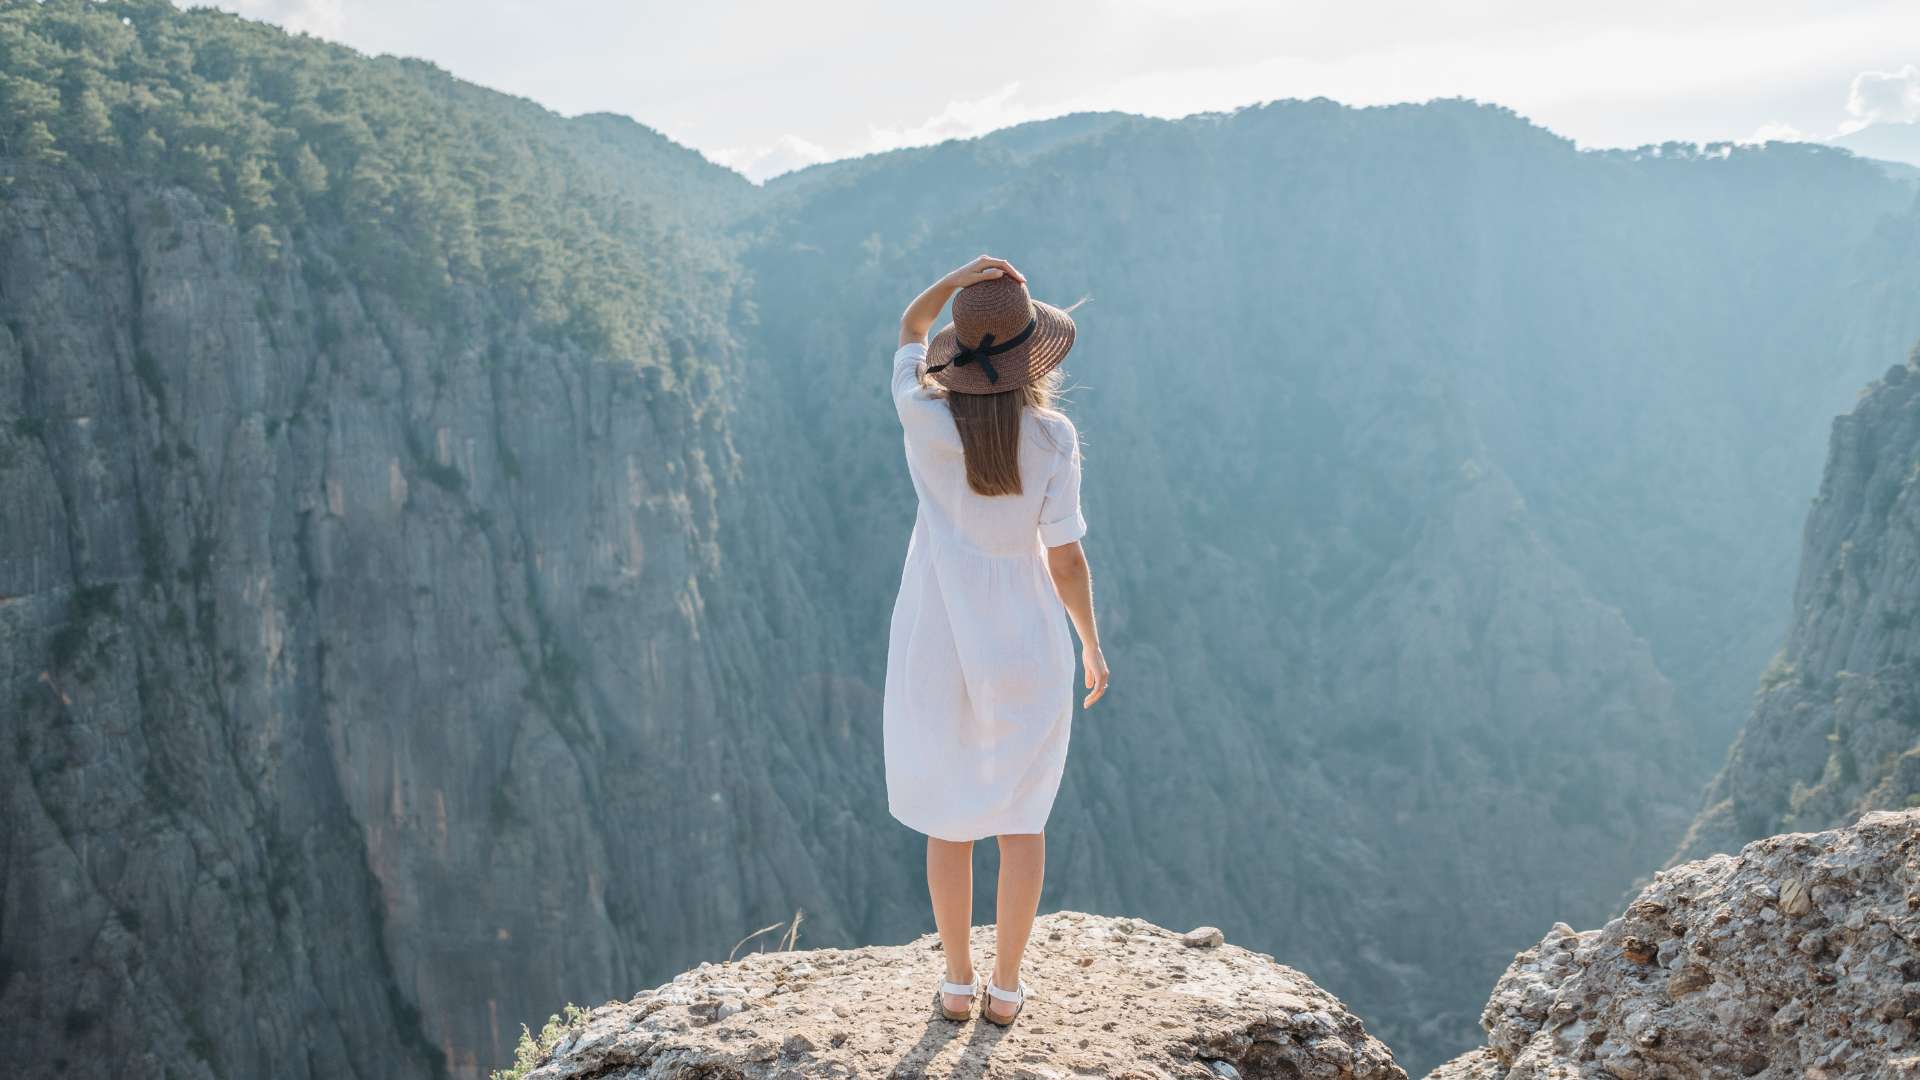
<point>1073,580</point>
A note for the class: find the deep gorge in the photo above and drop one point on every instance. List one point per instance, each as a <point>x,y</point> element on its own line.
<point>446,544</point>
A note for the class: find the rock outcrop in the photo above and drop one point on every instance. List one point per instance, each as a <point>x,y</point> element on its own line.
<point>1835,728</point>
<point>1115,998</point>
<point>1799,957</point>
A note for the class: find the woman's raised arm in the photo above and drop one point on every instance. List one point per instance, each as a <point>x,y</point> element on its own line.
<point>917,320</point>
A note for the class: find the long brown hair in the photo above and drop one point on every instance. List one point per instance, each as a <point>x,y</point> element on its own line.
<point>989,426</point>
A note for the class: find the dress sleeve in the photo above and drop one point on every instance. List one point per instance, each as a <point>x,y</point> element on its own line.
<point>923,415</point>
<point>906,368</point>
<point>1060,519</point>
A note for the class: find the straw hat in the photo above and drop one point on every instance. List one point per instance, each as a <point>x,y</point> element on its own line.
<point>1000,339</point>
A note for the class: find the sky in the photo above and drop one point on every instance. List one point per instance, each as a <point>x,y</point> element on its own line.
<point>767,87</point>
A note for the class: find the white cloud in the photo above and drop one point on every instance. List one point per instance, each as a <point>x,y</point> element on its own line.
<point>321,18</point>
<point>1778,132</point>
<point>959,120</point>
<point>1883,97</point>
<point>1606,74</point>
<point>760,163</point>
<point>1553,82</point>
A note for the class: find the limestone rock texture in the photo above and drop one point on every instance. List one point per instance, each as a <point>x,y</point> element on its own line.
<point>1111,997</point>
<point>1798,957</point>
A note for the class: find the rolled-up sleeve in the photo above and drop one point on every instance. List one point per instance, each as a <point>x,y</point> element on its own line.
<point>1060,519</point>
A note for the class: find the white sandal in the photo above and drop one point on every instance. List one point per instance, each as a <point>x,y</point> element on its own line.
<point>966,990</point>
<point>1017,997</point>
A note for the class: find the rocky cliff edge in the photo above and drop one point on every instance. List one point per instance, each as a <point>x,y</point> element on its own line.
<point>1111,997</point>
<point>1798,957</point>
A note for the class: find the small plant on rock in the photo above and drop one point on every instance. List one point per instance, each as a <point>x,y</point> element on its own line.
<point>532,1051</point>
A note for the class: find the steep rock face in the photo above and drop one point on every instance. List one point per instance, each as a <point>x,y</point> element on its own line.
<point>184,866</point>
<point>372,669</point>
<point>1109,997</point>
<point>1835,728</point>
<point>1799,957</point>
<point>343,650</point>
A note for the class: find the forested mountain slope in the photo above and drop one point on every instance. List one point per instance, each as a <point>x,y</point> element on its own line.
<point>1591,312</point>
<point>447,545</point>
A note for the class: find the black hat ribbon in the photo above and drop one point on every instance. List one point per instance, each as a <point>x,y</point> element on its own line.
<point>983,352</point>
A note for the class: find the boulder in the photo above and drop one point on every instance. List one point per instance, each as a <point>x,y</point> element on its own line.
<point>1798,957</point>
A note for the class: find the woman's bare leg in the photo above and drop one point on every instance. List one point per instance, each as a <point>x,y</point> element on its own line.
<point>950,882</point>
<point>1023,864</point>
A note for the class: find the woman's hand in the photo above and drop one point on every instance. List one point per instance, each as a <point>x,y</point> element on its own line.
<point>1073,582</point>
<point>919,316</point>
<point>984,268</point>
<point>1096,667</point>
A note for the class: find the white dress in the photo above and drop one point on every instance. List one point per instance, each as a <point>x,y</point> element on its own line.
<point>980,664</point>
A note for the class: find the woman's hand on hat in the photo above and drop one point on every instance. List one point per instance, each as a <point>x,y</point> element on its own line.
<point>984,268</point>
<point>919,316</point>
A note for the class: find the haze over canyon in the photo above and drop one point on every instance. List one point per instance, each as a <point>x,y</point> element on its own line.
<point>448,546</point>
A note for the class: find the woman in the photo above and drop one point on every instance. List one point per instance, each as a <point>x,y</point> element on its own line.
<point>979,695</point>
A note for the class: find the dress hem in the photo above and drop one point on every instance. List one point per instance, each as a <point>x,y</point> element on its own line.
<point>1041,828</point>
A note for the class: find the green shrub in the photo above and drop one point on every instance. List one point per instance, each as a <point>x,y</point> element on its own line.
<point>531,1050</point>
